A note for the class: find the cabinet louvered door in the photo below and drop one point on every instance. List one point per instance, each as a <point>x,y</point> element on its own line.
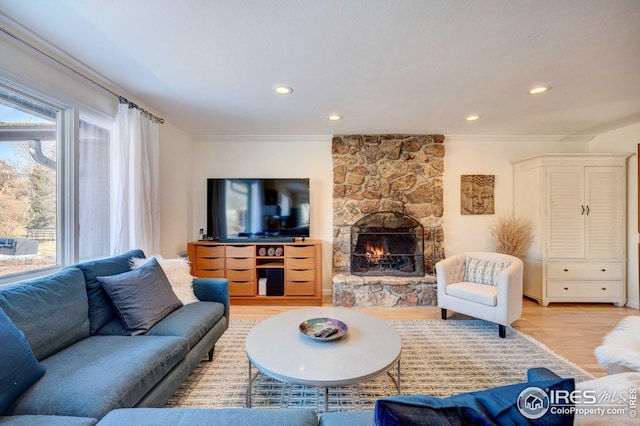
<point>605,216</point>
<point>565,219</point>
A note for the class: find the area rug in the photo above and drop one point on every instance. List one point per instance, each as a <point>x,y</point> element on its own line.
<point>439,358</point>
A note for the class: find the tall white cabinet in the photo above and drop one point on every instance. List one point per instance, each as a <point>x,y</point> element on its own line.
<point>577,203</point>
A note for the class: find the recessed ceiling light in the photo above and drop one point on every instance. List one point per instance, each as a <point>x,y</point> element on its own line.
<point>283,90</point>
<point>335,117</point>
<point>473,117</point>
<point>539,89</point>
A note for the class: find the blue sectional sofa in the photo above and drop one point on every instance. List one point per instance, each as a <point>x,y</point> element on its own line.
<point>92,365</point>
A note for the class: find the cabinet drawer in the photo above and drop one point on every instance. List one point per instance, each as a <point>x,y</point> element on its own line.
<point>210,273</point>
<point>300,275</point>
<point>299,251</point>
<point>242,288</point>
<point>585,289</point>
<point>300,263</point>
<point>587,270</point>
<point>299,288</point>
<point>215,263</point>
<point>241,274</point>
<point>209,251</point>
<point>240,263</point>
<point>240,251</point>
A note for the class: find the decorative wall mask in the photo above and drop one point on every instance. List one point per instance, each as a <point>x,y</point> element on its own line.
<point>476,194</point>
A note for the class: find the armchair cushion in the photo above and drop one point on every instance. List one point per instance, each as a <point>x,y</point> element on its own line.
<point>483,271</point>
<point>478,293</point>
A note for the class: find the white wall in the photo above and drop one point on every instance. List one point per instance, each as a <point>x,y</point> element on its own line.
<point>271,157</point>
<point>176,190</point>
<point>482,155</point>
<point>626,139</point>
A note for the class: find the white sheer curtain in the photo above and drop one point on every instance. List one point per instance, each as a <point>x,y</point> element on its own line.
<point>135,158</point>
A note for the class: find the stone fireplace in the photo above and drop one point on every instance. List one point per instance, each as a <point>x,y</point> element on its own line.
<point>387,220</point>
<point>387,243</point>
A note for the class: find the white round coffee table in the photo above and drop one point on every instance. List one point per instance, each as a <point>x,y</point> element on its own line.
<point>278,349</point>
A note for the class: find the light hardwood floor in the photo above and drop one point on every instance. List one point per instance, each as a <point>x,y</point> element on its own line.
<point>573,331</point>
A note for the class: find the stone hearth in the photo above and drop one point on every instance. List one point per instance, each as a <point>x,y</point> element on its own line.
<point>356,291</point>
<point>387,173</point>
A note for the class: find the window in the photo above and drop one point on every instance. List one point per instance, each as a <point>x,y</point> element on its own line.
<point>54,186</point>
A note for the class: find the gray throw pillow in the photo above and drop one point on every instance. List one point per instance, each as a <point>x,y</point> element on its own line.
<point>141,297</point>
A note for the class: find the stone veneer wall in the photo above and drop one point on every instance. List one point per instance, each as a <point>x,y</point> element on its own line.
<point>377,173</point>
<point>397,173</point>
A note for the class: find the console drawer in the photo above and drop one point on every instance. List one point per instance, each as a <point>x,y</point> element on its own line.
<point>300,275</point>
<point>242,288</point>
<point>299,251</point>
<point>210,273</point>
<point>240,251</point>
<point>300,263</point>
<point>299,288</point>
<point>241,274</point>
<point>240,263</point>
<point>209,251</point>
<point>215,263</point>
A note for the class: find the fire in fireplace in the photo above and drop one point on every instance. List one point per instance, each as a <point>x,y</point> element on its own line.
<point>387,243</point>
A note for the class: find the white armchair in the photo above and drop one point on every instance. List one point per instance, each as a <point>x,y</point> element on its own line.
<point>483,285</point>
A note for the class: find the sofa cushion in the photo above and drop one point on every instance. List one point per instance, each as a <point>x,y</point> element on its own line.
<point>210,416</point>
<point>492,406</point>
<point>46,421</point>
<point>51,311</point>
<point>483,271</point>
<point>346,418</point>
<point>20,369</point>
<point>191,321</point>
<point>100,307</point>
<point>473,292</point>
<point>101,373</point>
<point>178,272</point>
<point>141,297</point>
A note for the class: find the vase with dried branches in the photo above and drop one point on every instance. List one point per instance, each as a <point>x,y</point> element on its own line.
<point>512,235</point>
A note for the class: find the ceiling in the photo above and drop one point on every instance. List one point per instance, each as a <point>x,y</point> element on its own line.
<point>420,66</point>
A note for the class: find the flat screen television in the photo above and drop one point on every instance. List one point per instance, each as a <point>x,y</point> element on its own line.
<point>258,207</point>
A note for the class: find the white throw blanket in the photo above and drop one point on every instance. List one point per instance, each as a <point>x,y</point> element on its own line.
<point>622,345</point>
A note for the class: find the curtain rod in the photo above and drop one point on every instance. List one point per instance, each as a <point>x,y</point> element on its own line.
<point>120,98</point>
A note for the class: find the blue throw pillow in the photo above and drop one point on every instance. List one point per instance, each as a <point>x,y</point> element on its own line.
<point>19,369</point>
<point>497,406</point>
<point>100,306</point>
<point>141,297</point>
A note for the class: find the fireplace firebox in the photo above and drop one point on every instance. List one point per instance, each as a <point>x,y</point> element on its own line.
<point>387,243</point>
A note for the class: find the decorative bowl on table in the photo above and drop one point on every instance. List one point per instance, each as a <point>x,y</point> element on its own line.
<point>323,329</point>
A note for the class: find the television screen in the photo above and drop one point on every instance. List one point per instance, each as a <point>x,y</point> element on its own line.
<point>258,207</point>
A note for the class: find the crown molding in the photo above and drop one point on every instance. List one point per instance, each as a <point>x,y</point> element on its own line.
<point>518,138</point>
<point>448,138</point>
<point>262,138</point>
